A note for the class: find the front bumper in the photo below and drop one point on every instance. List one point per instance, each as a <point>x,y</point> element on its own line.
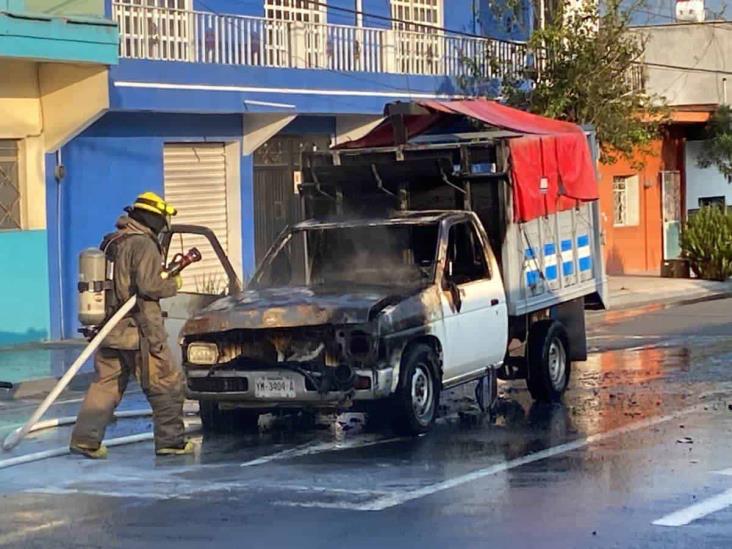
<point>237,387</point>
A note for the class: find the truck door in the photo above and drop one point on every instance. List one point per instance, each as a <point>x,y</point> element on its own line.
<point>203,282</point>
<point>473,304</point>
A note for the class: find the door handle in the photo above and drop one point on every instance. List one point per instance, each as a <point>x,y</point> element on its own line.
<point>494,302</point>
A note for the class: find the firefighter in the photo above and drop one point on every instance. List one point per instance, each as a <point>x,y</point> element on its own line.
<point>138,344</point>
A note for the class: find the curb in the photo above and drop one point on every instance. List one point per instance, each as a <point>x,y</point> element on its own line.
<point>675,299</point>
<point>40,387</point>
<point>636,309</point>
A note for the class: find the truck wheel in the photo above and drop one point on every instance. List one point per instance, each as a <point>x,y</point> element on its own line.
<point>214,420</point>
<point>548,361</point>
<point>416,401</point>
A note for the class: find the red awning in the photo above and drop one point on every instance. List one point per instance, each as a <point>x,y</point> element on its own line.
<point>551,167</point>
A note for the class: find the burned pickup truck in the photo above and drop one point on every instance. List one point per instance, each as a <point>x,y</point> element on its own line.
<point>419,262</point>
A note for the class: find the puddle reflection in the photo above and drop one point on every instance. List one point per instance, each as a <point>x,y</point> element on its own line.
<point>615,387</point>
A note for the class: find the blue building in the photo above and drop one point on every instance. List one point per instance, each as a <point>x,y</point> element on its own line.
<point>52,54</point>
<point>211,103</point>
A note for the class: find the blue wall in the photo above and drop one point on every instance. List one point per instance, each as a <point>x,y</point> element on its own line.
<point>24,301</point>
<point>107,166</point>
<point>211,88</point>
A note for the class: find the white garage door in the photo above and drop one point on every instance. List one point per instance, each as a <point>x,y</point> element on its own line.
<point>196,184</point>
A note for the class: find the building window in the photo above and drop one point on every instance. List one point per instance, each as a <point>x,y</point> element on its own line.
<point>9,185</point>
<point>156,29</point>
<point>279,36</point>
<point>424,12</point>
<point>170,4</point>
<point>295,10</point>
<point>418,47</point>
<point>626,203</point>
<point>718,201</point>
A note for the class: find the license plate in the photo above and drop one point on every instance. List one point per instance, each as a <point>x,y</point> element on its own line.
<point>274,387</point>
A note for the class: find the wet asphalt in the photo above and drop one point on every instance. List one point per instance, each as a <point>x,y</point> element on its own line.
<point>642,437</point>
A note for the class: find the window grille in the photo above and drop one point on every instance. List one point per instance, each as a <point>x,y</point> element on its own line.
<point>9,185</point>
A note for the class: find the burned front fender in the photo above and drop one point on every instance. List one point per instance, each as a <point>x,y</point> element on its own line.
<point>417,318</point>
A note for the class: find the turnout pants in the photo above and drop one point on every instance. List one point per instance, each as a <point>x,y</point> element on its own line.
<point>161,382</point>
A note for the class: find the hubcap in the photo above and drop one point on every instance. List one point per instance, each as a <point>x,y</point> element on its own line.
<point>423,394</point>
<point>557,364</point>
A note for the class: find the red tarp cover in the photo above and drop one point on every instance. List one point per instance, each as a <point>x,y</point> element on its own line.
<point>557,151</point>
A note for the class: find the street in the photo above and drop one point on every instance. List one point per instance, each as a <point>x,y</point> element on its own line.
<point>638,455</point>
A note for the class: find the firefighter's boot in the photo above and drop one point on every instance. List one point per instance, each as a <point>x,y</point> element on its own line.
<point>185,450</point>
<point>91,453</point>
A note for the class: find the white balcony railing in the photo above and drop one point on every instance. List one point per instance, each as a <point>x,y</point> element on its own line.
<point>203,37</point>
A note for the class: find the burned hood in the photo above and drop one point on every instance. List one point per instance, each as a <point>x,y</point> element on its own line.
<point>292,307</point>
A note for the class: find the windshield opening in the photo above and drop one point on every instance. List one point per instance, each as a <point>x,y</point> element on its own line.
<point>370,255</point>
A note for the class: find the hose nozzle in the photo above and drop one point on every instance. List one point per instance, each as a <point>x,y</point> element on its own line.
<point>180,262</point>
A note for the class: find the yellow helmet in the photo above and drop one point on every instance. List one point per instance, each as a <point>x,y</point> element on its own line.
<point>151,202</point>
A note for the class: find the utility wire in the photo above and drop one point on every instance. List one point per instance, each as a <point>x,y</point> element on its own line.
<point>654,14</point>
<point>403,21</point>
<point>682,68</point>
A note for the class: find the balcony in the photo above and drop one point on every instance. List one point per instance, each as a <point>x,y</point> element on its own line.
<point>165,34</point>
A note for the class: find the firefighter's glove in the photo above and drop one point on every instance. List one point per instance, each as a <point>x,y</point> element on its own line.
<point>178,282</point>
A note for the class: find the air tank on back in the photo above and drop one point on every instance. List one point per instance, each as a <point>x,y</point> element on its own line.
<point>92,276</point>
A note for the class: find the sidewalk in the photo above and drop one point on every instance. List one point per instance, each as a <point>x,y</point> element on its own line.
<point>634,291</point>
<point>33,368</point>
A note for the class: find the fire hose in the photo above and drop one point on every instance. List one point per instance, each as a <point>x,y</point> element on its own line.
<point>12,440</point>
<point>179,263</point>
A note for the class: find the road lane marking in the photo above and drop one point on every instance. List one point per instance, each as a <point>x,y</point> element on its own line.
<point>726,472</point>
<point>18,535</point>
<point>59,491</point>
<point>312,448</point>
<point>615,336</point>
<point>696,511</point>
<point>401,497</point>
<point>326,489</point>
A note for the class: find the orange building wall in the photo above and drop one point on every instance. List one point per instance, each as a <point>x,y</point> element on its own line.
<point>637,249</point>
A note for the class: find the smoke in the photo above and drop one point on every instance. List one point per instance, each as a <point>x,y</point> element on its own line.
<point>369,254</point>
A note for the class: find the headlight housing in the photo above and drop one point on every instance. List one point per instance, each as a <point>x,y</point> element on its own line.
<point>203,354</point>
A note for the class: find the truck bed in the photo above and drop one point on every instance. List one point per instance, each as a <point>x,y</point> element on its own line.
<point>553,259</point>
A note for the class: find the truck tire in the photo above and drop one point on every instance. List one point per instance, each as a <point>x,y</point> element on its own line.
<point>214,420</point>
<point>547,356</point>
<point>418,396</point>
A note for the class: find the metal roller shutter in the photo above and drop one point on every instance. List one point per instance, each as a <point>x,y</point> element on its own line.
<point>195,183</point>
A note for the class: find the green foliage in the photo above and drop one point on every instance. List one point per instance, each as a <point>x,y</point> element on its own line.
<point>586,58</point>
<point>717,150</point>
<point>210,284</point>
<point>706,241</point>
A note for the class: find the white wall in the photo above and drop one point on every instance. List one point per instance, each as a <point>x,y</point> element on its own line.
<point>699,45</point>
<point>703,182</point>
